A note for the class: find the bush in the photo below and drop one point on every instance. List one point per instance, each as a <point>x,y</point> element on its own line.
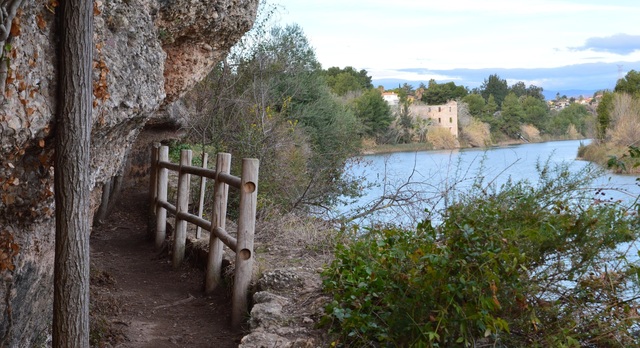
<point>441,138</point>
<point>523,266</point>
<point>477,133</point>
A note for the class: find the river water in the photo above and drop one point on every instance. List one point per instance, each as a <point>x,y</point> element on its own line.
<point>423,179</point>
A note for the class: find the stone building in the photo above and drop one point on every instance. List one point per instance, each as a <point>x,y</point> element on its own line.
<point>440,115</point>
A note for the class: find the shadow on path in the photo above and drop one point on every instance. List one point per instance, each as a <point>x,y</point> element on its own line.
<point>139,300</point>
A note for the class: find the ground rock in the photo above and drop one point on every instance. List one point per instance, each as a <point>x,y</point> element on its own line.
<point>284,309</point>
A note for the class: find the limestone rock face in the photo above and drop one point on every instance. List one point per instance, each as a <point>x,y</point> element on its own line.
<point>147,54</point>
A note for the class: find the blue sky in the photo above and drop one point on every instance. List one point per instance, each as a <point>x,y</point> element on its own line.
<point>555,44</point>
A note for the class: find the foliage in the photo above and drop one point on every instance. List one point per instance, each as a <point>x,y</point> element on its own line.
<point>521,90</point>
<point>575,114</point>
<point>405,123</point>
<point>512,116</point>
<point>374,113</point>
<point>440,93</point>
<point>536,111</point>
<point>342,81</point>
<point>269,100</point>
<point>441,138</point>
<point>477,133</point>
<point>476,104</point>
<point>522,266</point>
<point>620,164</point>
<point>604,115</point>
<point>630,84</point>
<point>624,123</point>
<point>495,86</point>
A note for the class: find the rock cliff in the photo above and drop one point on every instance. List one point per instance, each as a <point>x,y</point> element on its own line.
<point>147,54</point>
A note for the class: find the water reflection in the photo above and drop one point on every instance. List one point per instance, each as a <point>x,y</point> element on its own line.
<point>425,179</point>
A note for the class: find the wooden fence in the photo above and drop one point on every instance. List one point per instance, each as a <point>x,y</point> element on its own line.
<point>247,185</point>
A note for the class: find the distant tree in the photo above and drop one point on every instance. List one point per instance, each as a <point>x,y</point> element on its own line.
<point>575,114</point>
<point>536,92</point>
<point>342,81</point>
<point>373,111</point>
<point>440,93</point>
<point>536,112</point>
<point>476,104</point>
<point>405,122</point>
<point>604,115</point>
<point>495,86</point>
<point>404,91</point>
<point>629,84</point>
<point>519,89</point>
<point>491,107</point>
<point>511,116</point>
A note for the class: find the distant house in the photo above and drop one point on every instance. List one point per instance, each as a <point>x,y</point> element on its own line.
<point>391,98</point>
<point>445,116</point>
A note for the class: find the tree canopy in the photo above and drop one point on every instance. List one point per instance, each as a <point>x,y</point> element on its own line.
<point>342,81</point>
<point>440,93</point>
<point>629,84</point>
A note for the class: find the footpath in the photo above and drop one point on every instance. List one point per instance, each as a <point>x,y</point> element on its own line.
<point>139,300</point>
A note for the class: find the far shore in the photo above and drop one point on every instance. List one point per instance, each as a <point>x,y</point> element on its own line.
<point>413,147</point>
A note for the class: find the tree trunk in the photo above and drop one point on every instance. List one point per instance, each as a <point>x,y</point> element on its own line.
<point>73,140</point>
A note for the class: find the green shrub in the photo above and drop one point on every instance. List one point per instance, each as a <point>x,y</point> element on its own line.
<point>522,266</point>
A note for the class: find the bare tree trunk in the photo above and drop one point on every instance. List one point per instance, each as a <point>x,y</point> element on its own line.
<point>73,140</point>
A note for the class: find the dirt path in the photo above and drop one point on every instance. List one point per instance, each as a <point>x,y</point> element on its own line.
<point>139,300</point>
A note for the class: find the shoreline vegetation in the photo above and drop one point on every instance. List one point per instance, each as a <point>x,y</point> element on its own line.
<point>374,149</point>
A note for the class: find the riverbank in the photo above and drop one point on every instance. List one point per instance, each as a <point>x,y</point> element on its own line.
<point>373,149</point>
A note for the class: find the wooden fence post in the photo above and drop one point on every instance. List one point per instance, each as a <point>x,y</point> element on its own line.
<point>182,206</point>
<point>246,230</point>
<point>203,186</point>
<point>153,179</point>
<point>161,213</point>
<point>220,197</point>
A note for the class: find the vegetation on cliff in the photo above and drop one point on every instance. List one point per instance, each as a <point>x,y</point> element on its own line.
<point>618,127</point>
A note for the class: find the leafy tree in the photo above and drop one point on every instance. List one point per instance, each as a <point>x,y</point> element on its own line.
<point>519,89</point>
<point>629,84</point>
<point>476,104</point>
<point>575,114</point>
<point>495,86</point>
<point>374,113</point>
<point>404,92</point>
<point>536,92</point>
<point>436,93</point>
<point>536,112</point>
<point>491,107</point>
<point>405,123</point>
<point>511,116</point>
<point>342,81</point>
<point>270,100</point>
<point>604,114</point>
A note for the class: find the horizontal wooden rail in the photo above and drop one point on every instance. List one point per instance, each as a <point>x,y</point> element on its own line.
<point>247,186</point>
<point>231,180</point>
<point>171,209</point>
<point>231,242</point>
<point>168,165</point>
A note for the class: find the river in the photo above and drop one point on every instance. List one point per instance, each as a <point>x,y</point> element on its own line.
<point>421,179</point>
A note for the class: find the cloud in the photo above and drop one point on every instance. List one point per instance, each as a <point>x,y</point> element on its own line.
<point>586,76</point>
<point>622,44</point>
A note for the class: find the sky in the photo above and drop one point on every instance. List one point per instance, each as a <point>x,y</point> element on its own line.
<point>555,44</point>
